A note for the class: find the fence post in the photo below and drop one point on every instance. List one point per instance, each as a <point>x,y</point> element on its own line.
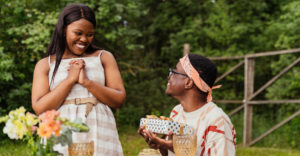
<point>248,91</point>
<point>186,49</point>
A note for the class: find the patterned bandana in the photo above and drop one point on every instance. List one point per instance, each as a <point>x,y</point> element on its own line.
<point>194,75</point>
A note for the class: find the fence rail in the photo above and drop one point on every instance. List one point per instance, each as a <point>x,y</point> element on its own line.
<point>249,94</point>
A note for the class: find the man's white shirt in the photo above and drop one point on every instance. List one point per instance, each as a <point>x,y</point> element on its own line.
<point>215,133</point>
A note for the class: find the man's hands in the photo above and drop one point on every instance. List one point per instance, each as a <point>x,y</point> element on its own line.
<point>147,136</point>
<point>76,71</point>
<point>155,142</point>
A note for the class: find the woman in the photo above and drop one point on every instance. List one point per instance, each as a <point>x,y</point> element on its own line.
<point>80,80</point>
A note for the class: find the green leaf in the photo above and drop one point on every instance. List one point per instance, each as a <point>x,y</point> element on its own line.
<point>85,130</point>
<point>64,129</point>
<point>78,121</point>
<point>75,129</point>
<point>62,139</point>
<point>67,133</point>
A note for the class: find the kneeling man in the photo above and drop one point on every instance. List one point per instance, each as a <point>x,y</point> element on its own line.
<point>191,82</point>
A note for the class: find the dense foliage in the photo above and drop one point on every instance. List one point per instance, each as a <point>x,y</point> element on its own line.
<point>147,37</point>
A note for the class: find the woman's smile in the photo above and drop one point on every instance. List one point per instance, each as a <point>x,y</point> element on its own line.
<point>80,46</point>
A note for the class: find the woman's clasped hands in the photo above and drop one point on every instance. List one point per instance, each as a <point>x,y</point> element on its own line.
<point>77,71</point>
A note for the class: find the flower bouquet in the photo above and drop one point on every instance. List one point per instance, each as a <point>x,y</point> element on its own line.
<point>49,126</point>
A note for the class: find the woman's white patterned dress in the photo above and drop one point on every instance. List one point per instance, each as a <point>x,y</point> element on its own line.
<point>100,120</point>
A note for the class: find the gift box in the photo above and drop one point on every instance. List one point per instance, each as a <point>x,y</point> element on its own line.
<point>163,125</point>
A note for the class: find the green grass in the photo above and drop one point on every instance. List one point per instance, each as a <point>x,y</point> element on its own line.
<point>13,148</point>
<point>266,152</point>
<point>132,143</point>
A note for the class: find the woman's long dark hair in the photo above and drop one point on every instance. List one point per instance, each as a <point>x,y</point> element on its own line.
<point>70,14</point>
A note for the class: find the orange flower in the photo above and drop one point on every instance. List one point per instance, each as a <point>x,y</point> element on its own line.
<point>51,125</point>
<point>58,122</point>
<point>49,115</point>
<point>57,132</point>
<point>42,132</point>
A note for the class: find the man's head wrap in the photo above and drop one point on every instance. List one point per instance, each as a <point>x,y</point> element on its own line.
<point>195,76</point>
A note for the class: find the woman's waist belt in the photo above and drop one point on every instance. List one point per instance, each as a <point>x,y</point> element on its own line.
<point>90,102</point>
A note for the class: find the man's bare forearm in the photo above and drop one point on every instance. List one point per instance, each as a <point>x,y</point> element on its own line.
<point>163,151</point>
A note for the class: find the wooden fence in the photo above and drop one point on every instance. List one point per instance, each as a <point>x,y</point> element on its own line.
<point>248,61</point>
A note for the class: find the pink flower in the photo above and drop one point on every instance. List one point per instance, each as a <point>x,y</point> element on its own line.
<point>33,129</point>
<point>49,115</point>
<point>57,114</point>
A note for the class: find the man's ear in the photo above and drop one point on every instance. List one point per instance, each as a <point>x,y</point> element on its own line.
<point>189,84</point>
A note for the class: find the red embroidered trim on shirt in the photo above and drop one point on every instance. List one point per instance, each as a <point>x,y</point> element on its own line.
<point>234,136</point>
<point>202,152</point>
<point>209,129</point>
<point>175,113</point>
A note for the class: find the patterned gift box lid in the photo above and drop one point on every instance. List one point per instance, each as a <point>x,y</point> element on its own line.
<point>164,126</point>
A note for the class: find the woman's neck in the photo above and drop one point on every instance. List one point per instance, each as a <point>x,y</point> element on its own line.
<point>69,55</point>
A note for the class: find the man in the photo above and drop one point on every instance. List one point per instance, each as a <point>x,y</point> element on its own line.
<point>191,82</point>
